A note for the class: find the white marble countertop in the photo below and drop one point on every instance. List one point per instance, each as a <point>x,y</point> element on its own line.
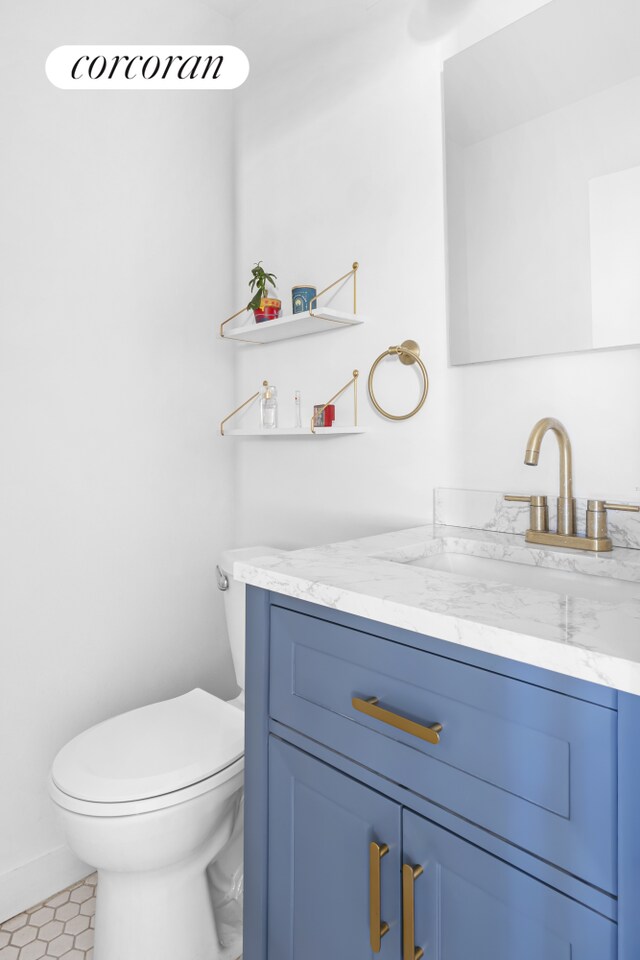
<point>594,640</point>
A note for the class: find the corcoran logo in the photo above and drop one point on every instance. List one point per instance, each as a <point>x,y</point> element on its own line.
<point>99,67</point>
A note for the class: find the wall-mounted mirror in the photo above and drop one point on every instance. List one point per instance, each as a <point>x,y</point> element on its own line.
<point>542,126</point>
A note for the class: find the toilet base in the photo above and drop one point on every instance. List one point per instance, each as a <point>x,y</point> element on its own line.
<point>157,915</point>
<point>153,898</point>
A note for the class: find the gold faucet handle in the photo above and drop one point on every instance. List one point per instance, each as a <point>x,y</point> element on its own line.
<point>597,516</point>
<point>538,510</point>
<point>535,500</point>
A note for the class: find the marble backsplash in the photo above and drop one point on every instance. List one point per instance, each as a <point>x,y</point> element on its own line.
<point>488,510</point>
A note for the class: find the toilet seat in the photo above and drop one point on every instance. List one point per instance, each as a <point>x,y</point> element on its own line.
<point>150,758</point>
<point>131,808</point>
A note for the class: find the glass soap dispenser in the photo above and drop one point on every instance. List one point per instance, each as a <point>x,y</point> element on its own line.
<point>268,406</point>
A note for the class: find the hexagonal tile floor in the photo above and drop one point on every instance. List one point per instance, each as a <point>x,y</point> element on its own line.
<point>60,927</point>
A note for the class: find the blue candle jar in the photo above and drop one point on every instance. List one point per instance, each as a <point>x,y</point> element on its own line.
<point>303,297</point>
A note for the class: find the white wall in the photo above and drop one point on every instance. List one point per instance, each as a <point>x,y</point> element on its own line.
<point>114,491</point>
<point>348,168</point>
<point>350,165</point>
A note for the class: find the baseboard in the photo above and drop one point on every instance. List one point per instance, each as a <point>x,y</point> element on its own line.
<point>35,881</point>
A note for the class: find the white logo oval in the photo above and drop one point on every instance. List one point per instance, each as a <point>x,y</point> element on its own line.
<point>147,67</point>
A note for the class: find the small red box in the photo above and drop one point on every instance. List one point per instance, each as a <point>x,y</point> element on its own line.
<point>329,415</point>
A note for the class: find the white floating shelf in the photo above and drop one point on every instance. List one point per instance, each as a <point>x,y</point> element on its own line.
<point>294,325</point>
<point>293,432</point>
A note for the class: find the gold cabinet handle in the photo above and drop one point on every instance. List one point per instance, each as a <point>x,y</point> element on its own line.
<point>409,950</point>
<point>377,927</point>
<point>369,706</point>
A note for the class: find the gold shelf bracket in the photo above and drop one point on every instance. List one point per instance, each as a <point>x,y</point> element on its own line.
<point>354,381</point>
<point>229,319</point>
<point>241,407</point>
<point>351,273</point>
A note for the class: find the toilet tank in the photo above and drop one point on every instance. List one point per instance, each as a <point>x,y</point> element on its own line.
<point>234,602</point>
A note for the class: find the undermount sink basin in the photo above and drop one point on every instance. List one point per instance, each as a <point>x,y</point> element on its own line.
<point>572,584</point>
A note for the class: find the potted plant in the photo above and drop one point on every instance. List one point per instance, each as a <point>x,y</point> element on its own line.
<point>264,307</point>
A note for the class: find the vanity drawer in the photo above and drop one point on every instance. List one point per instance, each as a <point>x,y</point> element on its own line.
<point>535,767</point>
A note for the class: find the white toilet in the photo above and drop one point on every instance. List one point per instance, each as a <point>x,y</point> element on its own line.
<point>150,798</point>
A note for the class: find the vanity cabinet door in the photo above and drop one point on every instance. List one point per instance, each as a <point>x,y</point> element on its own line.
<point>321,827</point>
<point>468,904</point>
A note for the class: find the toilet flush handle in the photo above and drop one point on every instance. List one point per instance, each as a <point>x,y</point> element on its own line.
<point>223,579</point>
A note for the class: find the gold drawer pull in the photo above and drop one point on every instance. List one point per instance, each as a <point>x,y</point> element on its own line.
<point>429,732</point>
<point>377,927</point>
<point>409,950</point>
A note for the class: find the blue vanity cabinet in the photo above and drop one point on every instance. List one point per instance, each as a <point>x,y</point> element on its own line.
<point>521,821</point>
<point>466,903</point>
<point>321,828</point>
<point>530,764</point>
<point>469,905</point>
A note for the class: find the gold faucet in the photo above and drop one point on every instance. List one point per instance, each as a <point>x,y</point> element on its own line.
<point>566,501</point>
<point>597,538</point>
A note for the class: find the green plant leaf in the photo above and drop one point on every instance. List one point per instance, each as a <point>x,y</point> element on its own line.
<point>259,282</point>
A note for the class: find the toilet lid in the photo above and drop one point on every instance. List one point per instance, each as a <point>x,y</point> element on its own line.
<point>152,751</point>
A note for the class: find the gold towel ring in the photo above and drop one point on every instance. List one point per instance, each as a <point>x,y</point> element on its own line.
<point>408,353</point>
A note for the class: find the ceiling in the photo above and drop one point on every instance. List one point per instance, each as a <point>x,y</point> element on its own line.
<point>274,8</point>
<point>233,8</point>
<point>270,30</point>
